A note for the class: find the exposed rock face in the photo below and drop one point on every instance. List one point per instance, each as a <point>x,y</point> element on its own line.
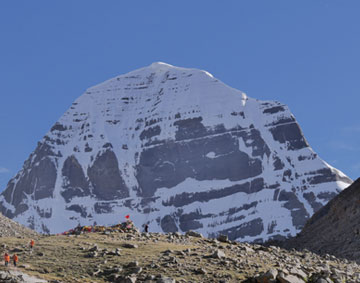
<point>105,177</point>
<point>335,228</point>
<point>176,149</point>
<point>75,183</point>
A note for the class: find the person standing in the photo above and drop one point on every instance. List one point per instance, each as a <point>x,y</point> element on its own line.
<point>6,259</point>
<point>15,259</point>
<point>32,243</point>
<point>146,228</point>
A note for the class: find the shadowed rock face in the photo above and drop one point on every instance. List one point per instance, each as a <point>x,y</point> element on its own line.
<point>192,221</point>
<point>322,176</point>
<point>311,198</point>
<point>335,228</point>
<point>298,212</point>
<point>187,198</point>
<point>291,134</point>
<point>170,164</point>
<point>37,180</point>
<point>78,208</point>
<point>75,183</point>
<point>168,224</point>
<point>252,228</point>
<point>179,150</point>
<point>105,177</point>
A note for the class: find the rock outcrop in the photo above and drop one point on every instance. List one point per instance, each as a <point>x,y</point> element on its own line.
<point>10,228</point>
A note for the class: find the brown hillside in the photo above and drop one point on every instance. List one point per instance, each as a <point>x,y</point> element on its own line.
<point>168,258</point>
<point>335,228</point>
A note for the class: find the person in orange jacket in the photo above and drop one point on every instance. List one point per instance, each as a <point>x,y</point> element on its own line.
<point>32,243</point>
<point>15,259</point>
<point>6,259</point>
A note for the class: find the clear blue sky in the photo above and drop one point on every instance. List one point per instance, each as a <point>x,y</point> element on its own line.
<point>305,54</point>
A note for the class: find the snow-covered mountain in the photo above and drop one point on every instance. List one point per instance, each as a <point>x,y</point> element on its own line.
<point>177,149</point>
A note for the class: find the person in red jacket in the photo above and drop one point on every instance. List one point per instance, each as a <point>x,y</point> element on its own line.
<point>6,259</point>
<point>32,243</point>
<point>15,259</point>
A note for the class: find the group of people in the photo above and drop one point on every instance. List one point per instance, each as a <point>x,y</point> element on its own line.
<point>15,258</point>
<point>7,259</point>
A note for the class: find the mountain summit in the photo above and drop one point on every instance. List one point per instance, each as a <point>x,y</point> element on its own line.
<point>177,149</point>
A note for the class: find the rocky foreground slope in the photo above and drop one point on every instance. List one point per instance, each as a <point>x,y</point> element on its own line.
<point>179,150</point>
<point>335,228</point>
<point>168,258</point>
<point>10,228</point>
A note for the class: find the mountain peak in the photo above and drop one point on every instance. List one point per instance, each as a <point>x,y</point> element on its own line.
<point>179,150</point>
<point>157,65</point>
<point>157,72</point>
<point>161,66</point>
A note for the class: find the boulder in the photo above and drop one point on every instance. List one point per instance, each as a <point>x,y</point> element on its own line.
<point>269,276</point>
<point>288,278</point>
<point>219,254</point>
<point>223,238</point>
<point>130,246</point>
<point>193,234</point>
